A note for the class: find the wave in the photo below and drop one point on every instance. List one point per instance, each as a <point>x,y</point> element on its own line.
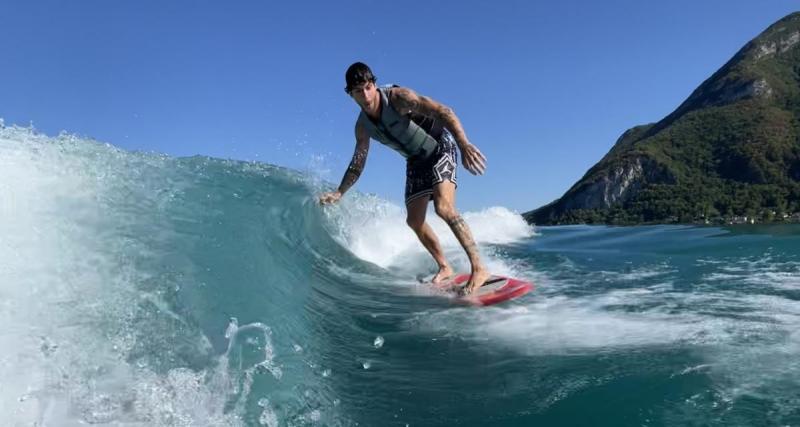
<point>149,290</point>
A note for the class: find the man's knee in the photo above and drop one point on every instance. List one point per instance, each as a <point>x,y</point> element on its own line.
<point>415,223</point>
<point>446,211</point>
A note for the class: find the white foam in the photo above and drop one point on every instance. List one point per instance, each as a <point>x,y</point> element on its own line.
<point>371,228</point>
<point>636,274</point>
<point>764,271</point>
<point>747,344</point>
<point>762,361</point>
<point>498,225</point>
<point>567,325</point>
<point>68,298</point>
<point>376,231</point>
<point>40,266</point>
<point>267,417</point>
<point>559,324</point>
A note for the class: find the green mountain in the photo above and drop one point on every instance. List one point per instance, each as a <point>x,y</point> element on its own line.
<point>730,149</point>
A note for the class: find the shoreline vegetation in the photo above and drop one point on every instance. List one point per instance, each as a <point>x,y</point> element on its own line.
<point>618,218</point>
<point>697,203</point>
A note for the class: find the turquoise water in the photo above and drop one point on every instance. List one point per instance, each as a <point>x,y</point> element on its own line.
<point>142,290</point>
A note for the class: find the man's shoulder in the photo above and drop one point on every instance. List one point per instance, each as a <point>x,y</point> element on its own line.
<point>396,91</point>
<point>401,98</point>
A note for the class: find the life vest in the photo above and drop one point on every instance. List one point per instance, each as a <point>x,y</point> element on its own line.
<point>401,133</point>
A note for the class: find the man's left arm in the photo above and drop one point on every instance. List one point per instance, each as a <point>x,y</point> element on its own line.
<point>406,101</point>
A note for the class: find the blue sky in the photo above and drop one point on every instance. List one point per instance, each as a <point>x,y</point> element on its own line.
<point>542,88</point>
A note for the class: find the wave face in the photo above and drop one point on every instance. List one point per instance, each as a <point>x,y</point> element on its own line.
<point>139,289</point>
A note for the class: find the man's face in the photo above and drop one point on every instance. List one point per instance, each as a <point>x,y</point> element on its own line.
<point>365,95</point>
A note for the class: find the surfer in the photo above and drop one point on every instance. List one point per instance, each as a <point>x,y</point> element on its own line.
<point>426,133</point>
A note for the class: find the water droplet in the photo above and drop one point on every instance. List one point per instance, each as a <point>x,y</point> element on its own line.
<point>233,325</point>
<point>314,415</point>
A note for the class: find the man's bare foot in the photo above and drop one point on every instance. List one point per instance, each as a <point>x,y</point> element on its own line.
<point>444,273</point>
<point>476,280</point>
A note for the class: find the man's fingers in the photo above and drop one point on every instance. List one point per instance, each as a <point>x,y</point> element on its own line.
<point>477,162</point>
<point>470,165</point>
<point>327,199</point>
<point>481,158</point>
<point>474,161</point>
<point>480,162</point>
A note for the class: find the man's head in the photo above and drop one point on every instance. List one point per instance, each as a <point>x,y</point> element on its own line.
<point>361,86</point>
<point>356,75</point>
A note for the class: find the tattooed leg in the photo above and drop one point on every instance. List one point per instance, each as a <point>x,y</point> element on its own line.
<point>464,236</point>
<point>444,196</point>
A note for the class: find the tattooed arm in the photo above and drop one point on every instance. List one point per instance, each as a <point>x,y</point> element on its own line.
<point>358,161</point>
<point>355,168</point>
<point>406,101</point>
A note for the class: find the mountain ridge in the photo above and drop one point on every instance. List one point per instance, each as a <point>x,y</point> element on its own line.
<point>730,149</point>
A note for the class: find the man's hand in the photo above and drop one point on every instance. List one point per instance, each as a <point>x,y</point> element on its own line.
<point>331,197</point>
<point>472,158</point>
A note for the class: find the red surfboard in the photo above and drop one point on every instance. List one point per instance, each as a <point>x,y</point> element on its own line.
<point>496,289</point>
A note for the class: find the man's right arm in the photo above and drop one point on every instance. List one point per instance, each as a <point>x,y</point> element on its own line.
<point>358,161</point>
<point>355,168</point>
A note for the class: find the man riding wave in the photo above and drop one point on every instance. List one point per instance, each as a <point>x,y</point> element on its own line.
<point>426,133</point>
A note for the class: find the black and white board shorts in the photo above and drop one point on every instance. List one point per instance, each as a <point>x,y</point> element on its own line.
<point>423,175</point>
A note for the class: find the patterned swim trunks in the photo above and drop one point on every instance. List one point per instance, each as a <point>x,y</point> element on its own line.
<point>423,175</point>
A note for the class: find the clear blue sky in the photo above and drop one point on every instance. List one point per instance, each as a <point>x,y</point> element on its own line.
<point>542,88</point>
